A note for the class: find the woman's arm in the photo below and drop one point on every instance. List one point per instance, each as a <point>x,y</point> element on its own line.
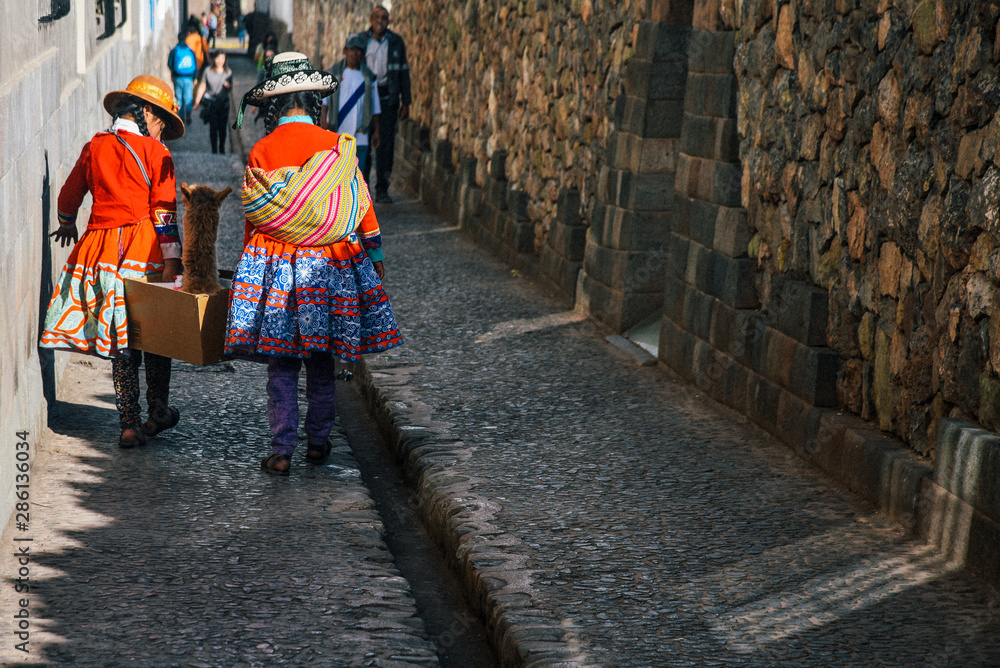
<point>200,92</point>
<point>71,197</point>
<point>163,211</point>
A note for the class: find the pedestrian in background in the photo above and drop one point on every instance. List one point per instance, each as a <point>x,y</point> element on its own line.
<point>132,233</point>
<point>213,27</point>
<point>269,43</point>
<point>183,65</point>
<point>196,41</point>
<point>385,54</point>
<point>213,90</point>
<point>308,285</point>
<point>354,107</point>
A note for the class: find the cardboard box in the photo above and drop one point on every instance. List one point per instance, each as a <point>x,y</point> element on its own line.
<point>176,324</point>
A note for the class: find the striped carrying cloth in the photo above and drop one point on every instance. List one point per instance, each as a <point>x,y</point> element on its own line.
<point>317,204</point>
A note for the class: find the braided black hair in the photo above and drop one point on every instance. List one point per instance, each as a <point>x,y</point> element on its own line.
<point>132,106</point>
<point>309,100</point>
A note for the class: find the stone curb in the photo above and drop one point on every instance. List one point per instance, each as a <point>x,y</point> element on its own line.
<point>494,567</point>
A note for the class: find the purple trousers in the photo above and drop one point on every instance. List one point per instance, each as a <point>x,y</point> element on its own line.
<point>283,400</point>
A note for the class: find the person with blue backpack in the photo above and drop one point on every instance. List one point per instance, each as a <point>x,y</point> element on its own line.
<point>183,65</point>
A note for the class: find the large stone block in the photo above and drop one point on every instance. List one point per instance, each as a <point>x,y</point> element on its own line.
<point>646,192</point>
<point>967,464</point>
<point>498,165</point>
<point>656,41</point>
<point>628,271</point>
<point>568,206</point>
<point>617,309</point>
<point>701,220</point>
<point>709,180</point>
<point>710,137</point>
<point>732,232</point>
<point>656,81</point>
<point>564,273</point>
<point>712,51</point>
<point>569,241</point>
<point>676,349</point>
<point>709,94</point>
<point>626,229</point>
<point>698,267</point>
<point>801,310</point>
<point>443,154</point>
<point>679,250</point>
<point>517,204</point>
<point>674,291</point>
<point>663,118</point>
<point>815,377</point>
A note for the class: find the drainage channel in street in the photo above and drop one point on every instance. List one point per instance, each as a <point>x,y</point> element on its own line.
<point>461,638</point>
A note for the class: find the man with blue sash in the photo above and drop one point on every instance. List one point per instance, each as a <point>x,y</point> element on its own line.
<point>354,108</point>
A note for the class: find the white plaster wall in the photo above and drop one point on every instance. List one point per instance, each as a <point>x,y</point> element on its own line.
<point>51,92</point>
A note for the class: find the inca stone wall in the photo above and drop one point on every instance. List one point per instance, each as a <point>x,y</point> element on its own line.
<point>322,26</point>
<point>870,142</point>
<point>531,78</point>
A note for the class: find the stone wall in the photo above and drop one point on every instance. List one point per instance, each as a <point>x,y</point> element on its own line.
<point>50,105</point>
<point>322,26</point>
<point>870,142</point>
<point>534,79</point>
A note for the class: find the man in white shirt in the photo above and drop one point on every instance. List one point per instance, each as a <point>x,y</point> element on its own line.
<point>354,107</point>
<point>385,53</point>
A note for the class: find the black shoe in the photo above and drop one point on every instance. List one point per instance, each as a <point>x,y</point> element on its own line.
<point>382,198</point>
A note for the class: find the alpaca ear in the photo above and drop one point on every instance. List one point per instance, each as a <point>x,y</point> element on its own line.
<point>186,192</point>
<point>222,194</point>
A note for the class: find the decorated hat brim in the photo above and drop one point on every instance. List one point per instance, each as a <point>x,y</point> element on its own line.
<point>290,82</point>
<point>174,126</point>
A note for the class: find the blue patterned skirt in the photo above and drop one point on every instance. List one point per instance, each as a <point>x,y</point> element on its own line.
<point>295,300</point>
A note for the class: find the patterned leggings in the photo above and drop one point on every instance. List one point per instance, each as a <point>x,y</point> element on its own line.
<point>126,376</point>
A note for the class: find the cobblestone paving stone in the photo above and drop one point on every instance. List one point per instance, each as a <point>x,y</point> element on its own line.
<point>616,518</point>
<point>184,553</point>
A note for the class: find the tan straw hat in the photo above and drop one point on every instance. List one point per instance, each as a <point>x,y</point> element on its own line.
<point>159,94</point>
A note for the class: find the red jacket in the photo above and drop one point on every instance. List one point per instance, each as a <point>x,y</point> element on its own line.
<point>108,171</point>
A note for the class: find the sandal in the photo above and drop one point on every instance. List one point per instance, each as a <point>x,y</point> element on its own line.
<point>317,454</point>
<point>137,439</point>
<point>271,464</point>
<point>154,425</point>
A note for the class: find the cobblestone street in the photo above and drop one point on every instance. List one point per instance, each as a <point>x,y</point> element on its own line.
<point>647,527</point>
<point>601,513</point>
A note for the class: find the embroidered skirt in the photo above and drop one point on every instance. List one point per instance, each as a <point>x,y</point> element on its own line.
<point>87,310</point>
<point>294,300</point>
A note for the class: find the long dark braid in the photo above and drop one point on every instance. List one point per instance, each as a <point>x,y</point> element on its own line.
<point>133,106</point>
<point>309,100</point>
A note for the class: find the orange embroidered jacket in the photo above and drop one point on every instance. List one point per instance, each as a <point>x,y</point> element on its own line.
<point>291,145</point>
<point>112,175</point>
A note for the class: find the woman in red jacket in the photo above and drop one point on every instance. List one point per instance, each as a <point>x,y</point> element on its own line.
<point>308,285</point>
<point>131,233</point>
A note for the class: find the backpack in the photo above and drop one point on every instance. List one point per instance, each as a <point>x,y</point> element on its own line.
<point>183,61</point>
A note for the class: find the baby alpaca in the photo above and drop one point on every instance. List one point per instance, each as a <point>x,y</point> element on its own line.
<point>201,227</point>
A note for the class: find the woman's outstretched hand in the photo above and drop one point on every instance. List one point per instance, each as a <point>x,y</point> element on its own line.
<point>65,235</point>
<point>379,270</point>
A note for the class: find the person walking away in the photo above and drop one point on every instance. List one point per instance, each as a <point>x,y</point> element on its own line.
<point>183,65</point>
<point>308,284</point>
<point>260,55</point>
<point>132,233</point>
<point>385,54</point>
<point>354,107</point>
<point>241,31</point>
<point>213,27</point>
<point>197,42</point>
<point>213,89</point>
